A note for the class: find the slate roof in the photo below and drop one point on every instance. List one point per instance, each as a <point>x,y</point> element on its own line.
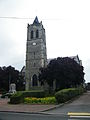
<point>36,21</point>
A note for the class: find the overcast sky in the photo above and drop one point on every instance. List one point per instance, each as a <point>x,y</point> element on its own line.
<point>67,25</point>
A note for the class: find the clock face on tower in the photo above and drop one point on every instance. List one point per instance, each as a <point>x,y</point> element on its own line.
<point>33,43</point>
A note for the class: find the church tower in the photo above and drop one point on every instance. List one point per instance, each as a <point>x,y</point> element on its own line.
<point>36,56</point>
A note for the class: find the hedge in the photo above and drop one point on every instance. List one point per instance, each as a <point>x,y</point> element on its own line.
<point>16,98</point>
<point>67,94</point>
<point>19,96</point>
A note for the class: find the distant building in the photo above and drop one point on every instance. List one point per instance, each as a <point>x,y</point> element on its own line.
<point>88,86</point>
<point>36,56</point>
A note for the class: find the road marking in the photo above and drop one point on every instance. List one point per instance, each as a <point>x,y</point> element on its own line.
<point>78,114</point>
<point>75,115</point>
<point>79,117</point>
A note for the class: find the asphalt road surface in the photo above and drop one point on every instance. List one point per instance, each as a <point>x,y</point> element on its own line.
<point>80,105</point>
<point>24,116</point>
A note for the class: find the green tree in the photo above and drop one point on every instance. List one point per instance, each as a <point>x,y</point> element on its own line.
<point>10,75</point>
<point>66,71</point>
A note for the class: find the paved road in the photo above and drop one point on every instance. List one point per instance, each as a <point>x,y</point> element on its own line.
<point>82,105</point>
<point>25,116</point>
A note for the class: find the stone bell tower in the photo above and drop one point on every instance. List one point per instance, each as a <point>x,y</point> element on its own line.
<point>36,56</point>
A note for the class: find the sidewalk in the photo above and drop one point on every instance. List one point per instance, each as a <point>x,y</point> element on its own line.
<point>4,106</point>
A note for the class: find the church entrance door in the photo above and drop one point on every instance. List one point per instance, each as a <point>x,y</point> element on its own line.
<point>34,80</point>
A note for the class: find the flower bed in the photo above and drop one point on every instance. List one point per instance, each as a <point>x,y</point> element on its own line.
<point>46,100</point>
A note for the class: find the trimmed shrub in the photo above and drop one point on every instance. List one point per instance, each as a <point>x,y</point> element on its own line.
<point>34,93</point>
<point>19,96</point>
<point>67,94</point>
<point>16,98</point>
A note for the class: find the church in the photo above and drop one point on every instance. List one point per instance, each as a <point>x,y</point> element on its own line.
<point>36,54</point>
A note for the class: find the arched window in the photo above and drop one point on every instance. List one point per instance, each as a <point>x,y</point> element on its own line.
<point>37,34</point>
<point>31,34</point>
<point>34,80</point>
